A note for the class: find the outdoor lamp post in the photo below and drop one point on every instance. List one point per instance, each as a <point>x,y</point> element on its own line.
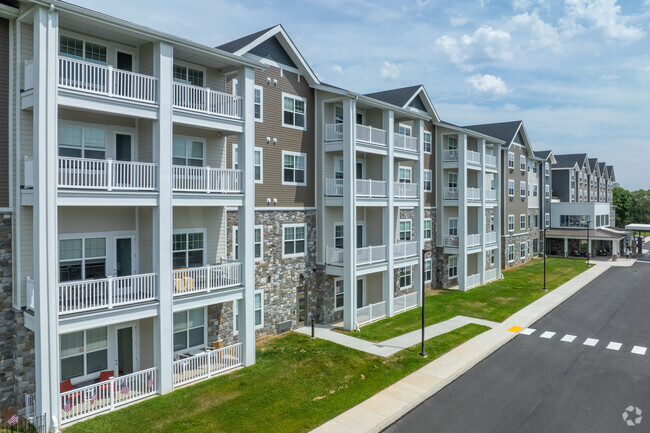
<point>424,252</point>
<point>588,242</point>
<point>544,289</point>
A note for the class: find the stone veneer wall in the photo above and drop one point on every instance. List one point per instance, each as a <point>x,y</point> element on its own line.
<point>431,245</point>
<point>534,232</point>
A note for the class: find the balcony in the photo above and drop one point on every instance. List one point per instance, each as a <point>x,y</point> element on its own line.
<point>206,179</point>
<point>102,80</point>
<point>405,142</point>
<point>333,132</point>
<point>405,190</point>
<point>490,195</point>
<point>451,241</point>
<point>472,281</point>
<point>105,293</point>
<point>450,155</point>
<point>100,174</point>
<point>490,237</point>
<point>207,101</point>
<point>473,157</point>
<point>366,188</point>
<point>365,255</point>
<point>490,275</point>
<point>368,134</point>
<point>473,194</point>
<point>206,278</point>
<point>403,250</point>
<point>206,364</point>
<point>473,240</point>
<point>491,161</point>
<point>450,193</point>
<point>371,312</point>
<point>405,302</point>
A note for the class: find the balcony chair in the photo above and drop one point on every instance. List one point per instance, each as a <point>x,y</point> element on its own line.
<point>66,386</point>
<point>105,376</point>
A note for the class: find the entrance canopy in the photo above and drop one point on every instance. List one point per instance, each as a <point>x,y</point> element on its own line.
<point>638,227</point>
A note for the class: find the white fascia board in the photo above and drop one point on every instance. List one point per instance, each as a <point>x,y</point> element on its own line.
<point>8,12</point>
<point>427,103</point>
<point>470,133</point>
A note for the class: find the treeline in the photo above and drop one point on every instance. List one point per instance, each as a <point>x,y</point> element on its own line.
<point>631,206</point>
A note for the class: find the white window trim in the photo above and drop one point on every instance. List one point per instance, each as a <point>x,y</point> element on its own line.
<point>194,230</point>
<point>524,250</point>
<point>522,188</point>
<point>511,246</point>
<point>205,331</point>
<point>449,267</point>
<point>86,376</point>
<point>522,218</point>
<point>193,66</point>
<point>430,228</point>
<point>285,125</point>
<point>449,220</point>
<point>430,180</point>
<point>235,313</point>
<point>511,182</point>
<point>342,306</point>
<point>402,125</point>
<point>399,172</point>
<point>423,142</point>
<point>235,150</point>
<point>399,231</point>
<point>522,161</point>
<point>284,227</point>
<point>430,261</point>
<point>287,152</point>
<point>261,257</point>
<point>187,139</point>
<point>261,150</point>
<point>511,160</point>
<point>511,217</point>
<point>400,277</point>
<point>261,89</point>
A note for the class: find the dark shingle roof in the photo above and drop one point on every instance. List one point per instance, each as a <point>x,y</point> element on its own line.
<point>397,97</point>
<point>601,166</point>
<point>569,160</point>
<point>592,164</point>
<point>12,3</point>
<point>503,131</point>
<point>543,154</point>
<point>237,44</point>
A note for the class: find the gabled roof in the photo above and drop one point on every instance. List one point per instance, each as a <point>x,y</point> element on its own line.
<point>571,160</point>
<point>593,166</point>
<point>509,132</point>
<point>414,97</point>
<point>603,170</point>
<point>277,39</point>
<point>545,155</point>
<point>610,170</point>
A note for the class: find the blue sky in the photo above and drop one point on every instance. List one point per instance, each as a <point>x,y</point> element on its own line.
<point>577,72</point>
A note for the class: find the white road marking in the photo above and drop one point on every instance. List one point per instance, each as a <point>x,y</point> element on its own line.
<point>590,342</point>
<point>568,338</point>
<point>614,345</point>
<point>527,331</point>
<point>547,334</point>
<point>639,350</point>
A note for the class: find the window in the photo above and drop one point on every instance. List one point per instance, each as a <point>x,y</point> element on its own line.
<point>294,168</point>
<point>235,242</point>
<point>453,227</point>
<point>404,129</point>
<point>522,221</point>
<point>258,310</point>
<point>80,142</point>
<point>294,237</point>
<point>547,191</point>
<point>427,270</point>
<point>522,250</point>
<point>522,188</point>
<point>258,242</point>
<point>511,223</point>
<point>82,259</point>
<point>511,253</point>
<point>188,249</point>
<point>534,167</point>
<point>534,190</point>
<point>405,230</point>
<point>491,223</point>
<point>189,151</point>
<point>522,162</point>
<point>338,114</point>
<point>547,168</point>
<point>258,103</point>
<point>428,177</point>
<point>405,277</point>
<point>235,157</point>
<point>294,111</point>
<point>79,49</point>
<point>258,165</point>
<point>83,352</point>
<point>188,75</point>
<point>452,180</point>
<point>189,329</point>
<point>405,174</point>
<point>452,267</point>
<point>426,139</point>
<point>511,188</point>
<point>428,232</point>
<point>338,235</point>
<point>547,219</point>
<point>452,143</point>
<point>511,160</point>
<point>338,294</point>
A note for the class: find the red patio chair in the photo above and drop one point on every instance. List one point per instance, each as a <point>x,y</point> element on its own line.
<point>66,386</point>
<point>105,376</point>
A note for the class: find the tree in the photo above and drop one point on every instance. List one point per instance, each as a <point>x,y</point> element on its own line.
<point>625,205</point>
<point>641,206</point>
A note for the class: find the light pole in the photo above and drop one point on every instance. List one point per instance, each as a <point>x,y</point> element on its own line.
<point>544,289</point>
<point>588,243</point>
<point>424,252</point>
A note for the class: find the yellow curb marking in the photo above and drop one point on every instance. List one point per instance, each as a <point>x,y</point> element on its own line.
<point>515,329</point>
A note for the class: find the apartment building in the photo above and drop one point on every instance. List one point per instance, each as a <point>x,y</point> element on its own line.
<point>120,269</point>
<point>547,161</point>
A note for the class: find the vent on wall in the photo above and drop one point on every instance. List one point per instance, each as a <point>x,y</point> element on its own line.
<point>284,326</point>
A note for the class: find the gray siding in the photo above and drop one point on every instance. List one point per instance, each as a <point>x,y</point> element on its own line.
<point>4,113</point>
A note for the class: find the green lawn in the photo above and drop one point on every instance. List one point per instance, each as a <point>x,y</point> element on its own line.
<point>495,301</point>
<point>296,384</point>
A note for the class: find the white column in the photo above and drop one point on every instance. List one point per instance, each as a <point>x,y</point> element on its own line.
<point>497,212</point>
<point>163,216</point>
<point>481,217</point>
<point>418,130</point>
<point>349,214</point>
<point>388,284</point>
<point>246,216</point>
<point>566,247</point>
<point>462,210</point>
<point>45,223</point>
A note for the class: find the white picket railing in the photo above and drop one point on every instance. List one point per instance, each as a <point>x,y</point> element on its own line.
<point>405,142</point>
<point>402,250</point>
<point>473,240</point>
<point>206,278</point>
<point>405,302</point>
<point>29,284</point>
<point>206,179</point>
<point>472,281</point>
<point>490,160</point>
<point>30,404</point>
<point>371,135</point>
<point>108,395</point>
<point>206,364</point>
<point>450,155</point>
<point>490,237</point>
<point>450,193</point>
<point>333,132</point>
<point>451,241</point>
<point>371,312</point>
<point>371,188</point>
<point>334,256</point>
<point>106,174</point>
<point>490,275</point>
<point>405,190</point>
<point>106,80</point>
<point>86,295</point>
<point>334,187</point>
<point>490,195</point>
<point>473,157</point>
<point>369,255</point>
<point>473,194</point>
<point>206,100</point>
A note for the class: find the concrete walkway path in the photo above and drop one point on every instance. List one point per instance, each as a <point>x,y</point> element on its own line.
<point>390,404</point>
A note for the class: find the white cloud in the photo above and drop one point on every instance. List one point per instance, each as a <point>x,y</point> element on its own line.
<point>536,33</point>
<point>485,43</point>
<point>604,15</point>
<point>488,85</point>
<point>389,70</point>
<point>337,68</point>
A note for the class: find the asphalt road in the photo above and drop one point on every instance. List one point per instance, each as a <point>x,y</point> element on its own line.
<point>535,384</point>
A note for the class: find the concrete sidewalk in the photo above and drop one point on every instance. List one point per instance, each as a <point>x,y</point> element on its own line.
<point>385,407</point>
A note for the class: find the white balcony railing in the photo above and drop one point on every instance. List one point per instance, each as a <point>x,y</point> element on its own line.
<point>30,404</point>
<point>368,134</point>
<point>405,190</point>
<point>28,172</point>
<point>473,157</point>
<point>206,179</point>
<point>490,195</point>
<point>450,155</point>
<point>450,193</point>
<point>490,275</point>
<point>206,100</point>
<point>371,188</point>
<point>490,160</point>
<point>451,241</point>
<point>365,255</point>
<point>29,284</point>
<point>473,240</point>
<point>206,278</point>
<point>108,395</point>
<point>334,187</point>
<point>473,194</point>
<point>333,132</point>
<point>403,250</point>
<point>405,302</point>
<point>106,174</point>
<point>370,313</point>
<point>87,295</point>
<point>404,142</point>
<point>472,281</point>
<point>490,237</point>
<point>207,364</point>
<point>106,80</point>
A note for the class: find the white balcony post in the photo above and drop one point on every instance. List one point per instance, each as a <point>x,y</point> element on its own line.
<point>246,216</point>
<point>388,283</point>
<point>462,211</point>
<point>109,80</point>
<point>418,129</point>
<point>206,98</point>
<point>208,178</point>
<point>497,213</point>
<point>163,217</point>
<point>109,174</point>
<point>481,218</point>
<point>349,214</point>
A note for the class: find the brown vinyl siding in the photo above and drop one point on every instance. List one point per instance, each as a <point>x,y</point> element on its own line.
<point>516,205</point>
<point>4,113</point>
<point>430,164</point>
